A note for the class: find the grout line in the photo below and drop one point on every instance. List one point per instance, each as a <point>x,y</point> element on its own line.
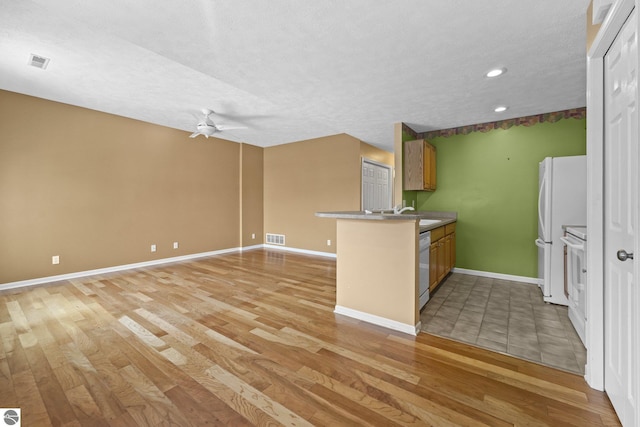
<point>457,288</point>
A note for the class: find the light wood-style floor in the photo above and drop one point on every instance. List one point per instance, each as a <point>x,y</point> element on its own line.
<point>251,339</point>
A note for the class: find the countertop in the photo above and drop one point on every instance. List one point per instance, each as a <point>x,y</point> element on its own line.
<point>443,217</point>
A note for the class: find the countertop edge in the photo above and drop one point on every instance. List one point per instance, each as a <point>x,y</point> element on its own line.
<point>444,217</point>
<point>430,227</point>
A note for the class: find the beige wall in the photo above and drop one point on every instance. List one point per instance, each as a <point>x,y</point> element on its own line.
<point>306,177</point>
<point>98,190</point>
<point>377,269</point>
<point>252,195</point>
<point>372,153</point>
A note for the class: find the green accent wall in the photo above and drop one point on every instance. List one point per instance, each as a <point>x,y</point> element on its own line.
<point>491,180</point>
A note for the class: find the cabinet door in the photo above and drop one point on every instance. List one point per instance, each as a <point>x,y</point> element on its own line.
<point>432,167</point>
<point>453,250</point>
<point>419,165</point>
<point>441,260</point>
<point>429,169</point>
<point>433,266</point>
<point>413,165</point>
<point>426,173</point>
<point>447,254</point>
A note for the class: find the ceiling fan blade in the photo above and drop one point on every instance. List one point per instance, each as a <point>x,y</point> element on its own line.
<point>224,127</point>
<point>242,118</point>
<point>207,127</point>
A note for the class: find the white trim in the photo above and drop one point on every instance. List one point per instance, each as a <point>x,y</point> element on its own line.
<point>78,274</point>
<point>594,330</point>
<point>377,320</point>
<point>615,19</point>
<point>523,279</point>
<point>250,248</point>
<point>301,251</point>
<point>594,310</point>
<point>600,10</point>
<point>75,275</point>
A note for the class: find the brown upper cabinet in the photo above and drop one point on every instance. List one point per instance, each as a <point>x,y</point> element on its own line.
<point>419,165</point>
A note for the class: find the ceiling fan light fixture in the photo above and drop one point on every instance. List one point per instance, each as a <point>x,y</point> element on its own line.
<point>496,72</point>
<point>208,128</point>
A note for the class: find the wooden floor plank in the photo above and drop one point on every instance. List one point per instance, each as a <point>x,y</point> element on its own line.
<point>85,408</point>
<point>33,410</point>
<point>9,398</point>
<point>251,339</point>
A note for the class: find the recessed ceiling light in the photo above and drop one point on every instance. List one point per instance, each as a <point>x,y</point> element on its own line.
<point>496,72</point>
<point>500,108</point>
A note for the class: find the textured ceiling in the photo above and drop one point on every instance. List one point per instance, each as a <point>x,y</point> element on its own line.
<point>292,70</point>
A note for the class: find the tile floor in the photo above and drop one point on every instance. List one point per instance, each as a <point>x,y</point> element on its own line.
<point>504,316</point>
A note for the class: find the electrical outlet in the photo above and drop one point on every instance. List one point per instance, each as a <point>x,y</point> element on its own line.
<point>329,242</point>
<point>55,259</point>
<point>153,248</point>
<point>253,235</point>
<point>175,245</point>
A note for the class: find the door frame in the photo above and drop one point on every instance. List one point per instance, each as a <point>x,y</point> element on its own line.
<point>612,24</point>
<point>364,160</point>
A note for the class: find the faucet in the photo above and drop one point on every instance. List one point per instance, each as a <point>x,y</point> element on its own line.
<point>397,210</point>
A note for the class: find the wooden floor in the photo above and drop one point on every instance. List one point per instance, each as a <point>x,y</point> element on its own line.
<point>251,339</point>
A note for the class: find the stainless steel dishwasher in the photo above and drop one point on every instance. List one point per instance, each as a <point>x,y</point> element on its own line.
<point>425,245</point>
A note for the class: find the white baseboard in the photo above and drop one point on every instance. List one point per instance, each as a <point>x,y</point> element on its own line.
<point>523,279</point>
<point>78,274</point>
<point>68,276</point>
<point>300,251</point>
<point>250,248</point>
<point>377,320</point>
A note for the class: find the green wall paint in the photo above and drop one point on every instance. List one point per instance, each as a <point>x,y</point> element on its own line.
<point>491,180</point>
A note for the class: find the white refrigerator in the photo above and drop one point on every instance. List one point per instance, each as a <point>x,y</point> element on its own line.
<point>562,200</point>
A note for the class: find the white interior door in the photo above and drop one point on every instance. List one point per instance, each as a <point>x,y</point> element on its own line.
<point>622,356</point>
<point>376,185</point>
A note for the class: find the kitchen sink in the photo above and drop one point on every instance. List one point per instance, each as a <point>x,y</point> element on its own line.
<point>429,221</point>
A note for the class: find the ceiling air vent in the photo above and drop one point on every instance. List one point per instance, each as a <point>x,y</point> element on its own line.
<point>38,61</point>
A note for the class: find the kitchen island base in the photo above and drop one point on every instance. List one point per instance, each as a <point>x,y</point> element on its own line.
<point>377,270</point>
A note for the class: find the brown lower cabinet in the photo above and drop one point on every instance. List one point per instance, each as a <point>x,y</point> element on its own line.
<point>442,253</point>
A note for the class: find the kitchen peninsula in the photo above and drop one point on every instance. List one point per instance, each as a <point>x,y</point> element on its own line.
<point>377,276</point>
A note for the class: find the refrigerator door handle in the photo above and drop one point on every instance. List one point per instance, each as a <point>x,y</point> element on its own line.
<point>543,186</point>
<point>540,243</point>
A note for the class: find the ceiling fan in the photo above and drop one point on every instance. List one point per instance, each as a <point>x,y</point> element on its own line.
<point>207,127</point>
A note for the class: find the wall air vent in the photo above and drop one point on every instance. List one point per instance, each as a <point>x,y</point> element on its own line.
<point>275,239</point>
<point>38,61</point>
